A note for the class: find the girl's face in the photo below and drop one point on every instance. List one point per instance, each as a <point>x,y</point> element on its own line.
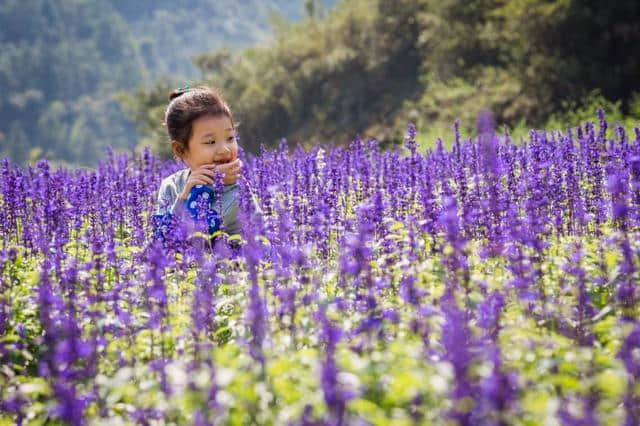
<point>213,141</point>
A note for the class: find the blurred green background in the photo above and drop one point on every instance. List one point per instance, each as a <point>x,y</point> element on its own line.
<point>79,75</point>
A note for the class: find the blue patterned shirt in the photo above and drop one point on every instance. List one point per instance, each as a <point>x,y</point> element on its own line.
<point>169,204</point>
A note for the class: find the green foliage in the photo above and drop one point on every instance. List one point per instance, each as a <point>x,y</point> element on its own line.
<point>320,77</point>
<point>385,378</point>
<point>525,60</point>
<point>371,66</point>
<point>363,67</point>
<point>574,113</point>
<point>62,63</point>
<point>146,107</point>
<point>171,33</point>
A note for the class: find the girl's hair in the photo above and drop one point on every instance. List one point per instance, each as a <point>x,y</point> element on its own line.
<point>186,105</point>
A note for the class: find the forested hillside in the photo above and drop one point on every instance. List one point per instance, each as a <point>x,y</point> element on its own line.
<point>374,65</point>
<point>170,33</point>
<point>63,61</point>
<point>311,71</point>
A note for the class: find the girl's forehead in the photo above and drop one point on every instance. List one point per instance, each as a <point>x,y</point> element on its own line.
<point>207,125</point>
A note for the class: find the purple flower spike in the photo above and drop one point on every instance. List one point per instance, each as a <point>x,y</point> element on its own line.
<point>335,396</point>
<point>628,354</point>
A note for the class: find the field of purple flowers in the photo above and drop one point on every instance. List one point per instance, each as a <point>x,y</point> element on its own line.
<point>492,283</point>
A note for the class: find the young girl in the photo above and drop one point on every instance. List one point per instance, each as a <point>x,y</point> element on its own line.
<point>202,133</point>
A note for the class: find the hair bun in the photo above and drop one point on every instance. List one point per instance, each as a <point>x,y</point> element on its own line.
<point>176,93</point>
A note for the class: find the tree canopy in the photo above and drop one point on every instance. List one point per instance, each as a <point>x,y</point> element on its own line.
<point>63,62</point>
<point>312,71</point>
<point>371,66</point>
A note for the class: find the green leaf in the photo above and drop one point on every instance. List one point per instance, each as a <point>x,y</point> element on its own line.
<point>612,383</point>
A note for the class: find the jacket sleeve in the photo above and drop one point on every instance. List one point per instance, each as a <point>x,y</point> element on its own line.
<point>167,205</point>
<point>168,201</point>
<point>231,205</point>
<point>230,213</point>
<point>257,210</point>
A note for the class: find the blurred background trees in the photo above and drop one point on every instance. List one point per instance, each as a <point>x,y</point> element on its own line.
<point>78,76</point>
<point>64,62</point>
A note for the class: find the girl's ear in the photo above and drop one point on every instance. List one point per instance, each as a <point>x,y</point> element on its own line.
<point>177,149</point>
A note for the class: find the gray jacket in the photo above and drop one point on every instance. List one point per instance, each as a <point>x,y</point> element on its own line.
<point>172,186</point>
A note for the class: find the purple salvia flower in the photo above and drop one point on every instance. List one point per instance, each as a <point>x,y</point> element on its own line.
<point>628,354</point>
<point>410,139</point>
<point>488,147</point>
<point>335,396</point>
<point>356,246</point>
<point>489,314</point>
<point>203,310</point>
<point>589,417</point>
<point>454,254</point>
<point>157,291</point>
<point>584,309</point>
<point>457,343</point>
<point>617,186</point>
<point>14,404</point>
<point>626,292</point>
<point>256,313</point>
<point>497,394</point>
<point>409,292</point>
<point>70,407</point>
<point>634,162</point>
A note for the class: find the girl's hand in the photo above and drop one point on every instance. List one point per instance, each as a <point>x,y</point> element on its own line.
<point>204,175</point>
<point>230,171</point>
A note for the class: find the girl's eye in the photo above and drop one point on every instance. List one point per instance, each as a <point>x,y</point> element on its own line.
<point>230,138</point>
<point>212,142</point>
